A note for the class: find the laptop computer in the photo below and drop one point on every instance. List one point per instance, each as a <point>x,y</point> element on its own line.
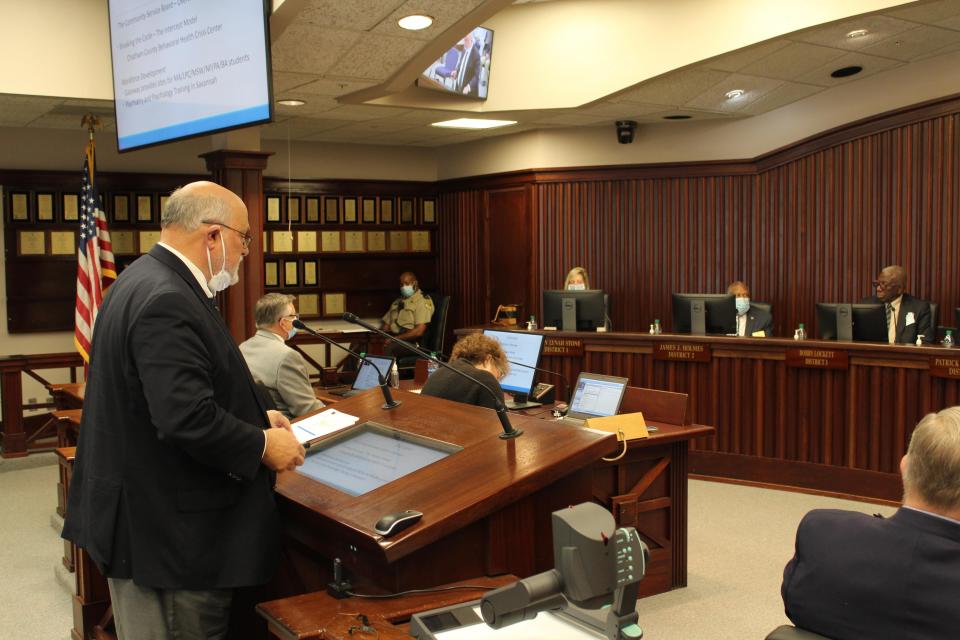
<point>595,396</point>
<point>367,376</point>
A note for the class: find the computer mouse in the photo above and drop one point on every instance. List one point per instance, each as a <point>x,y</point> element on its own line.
<point>393,523</point>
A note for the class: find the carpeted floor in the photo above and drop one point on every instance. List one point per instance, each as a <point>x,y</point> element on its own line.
<point>740,538</point>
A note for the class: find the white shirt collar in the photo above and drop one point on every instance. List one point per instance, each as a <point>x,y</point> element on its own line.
<point>193,268</point>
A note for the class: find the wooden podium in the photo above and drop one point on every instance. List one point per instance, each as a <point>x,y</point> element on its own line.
<point>486,508</point>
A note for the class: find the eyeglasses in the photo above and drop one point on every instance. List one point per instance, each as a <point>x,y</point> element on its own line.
<point>247,238</point>
<point>884,285</point>
<point>292,317</point>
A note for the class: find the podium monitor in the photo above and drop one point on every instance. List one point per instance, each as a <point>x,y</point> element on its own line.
<point>571,310</point>
<point>521,348</point>
<point>703,313</point>
<point>369,456</point>
<point>846,322</point>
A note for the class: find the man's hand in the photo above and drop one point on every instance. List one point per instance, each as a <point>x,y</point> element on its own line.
<point>283,452</point>
<point>279,420</point>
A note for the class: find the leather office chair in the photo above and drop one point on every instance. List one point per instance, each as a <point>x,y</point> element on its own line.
<point>433,338</point>
<point>788,632</point>
<point>763,306</point>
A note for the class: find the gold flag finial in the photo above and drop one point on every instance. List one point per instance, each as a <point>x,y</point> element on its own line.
<point>91,122</point>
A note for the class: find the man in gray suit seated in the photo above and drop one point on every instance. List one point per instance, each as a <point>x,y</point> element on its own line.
<point>280,369</point>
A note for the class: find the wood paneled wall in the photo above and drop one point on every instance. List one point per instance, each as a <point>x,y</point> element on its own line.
<point>810,223</point>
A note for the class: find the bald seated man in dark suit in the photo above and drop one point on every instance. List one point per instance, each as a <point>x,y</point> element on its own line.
<point>907,317</point>
<point>855,576</point>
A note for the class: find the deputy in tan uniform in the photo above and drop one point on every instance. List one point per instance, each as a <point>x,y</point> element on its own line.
<point>409,314</point>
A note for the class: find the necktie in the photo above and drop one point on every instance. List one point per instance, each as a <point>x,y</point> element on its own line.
<point>891,324</point>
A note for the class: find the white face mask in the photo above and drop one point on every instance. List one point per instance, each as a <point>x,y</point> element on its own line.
<point>291,333</point>
<point>743,305</point>
<point>221,280</point>
<point>577,287</point>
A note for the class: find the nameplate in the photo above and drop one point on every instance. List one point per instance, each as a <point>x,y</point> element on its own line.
<point>563,347</point>
<point>945,368</point>
<point>817,359</point>
<point>681,351</point>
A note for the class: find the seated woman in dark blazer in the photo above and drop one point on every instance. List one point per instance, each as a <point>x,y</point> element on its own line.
<point>477,356</point>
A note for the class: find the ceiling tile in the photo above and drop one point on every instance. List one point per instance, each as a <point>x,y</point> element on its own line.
<point>571,120</point>
<point>870,64</point>
<point>714,99</point>
<point>355,15</point>
<point>18,111</point>
<point>914,43</point>
<point>332,87</point>
<point>284,81</point>
<point>928,12</point>
<point>674,88</point>
<point>736,60</point>
<point>879,27</point>
<point>785,94</point>
<point>309,49</point>
<point>376,57</point>
<point>298,128</point>
<point>362,112</point>
<point>619,110</point>
<point>792,61</point>
<point>444,15</point>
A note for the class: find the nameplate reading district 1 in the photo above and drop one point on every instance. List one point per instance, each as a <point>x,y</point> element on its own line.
<point>817,359</point>
<point>945,368</point>
<point>563,347</point>
<point>681,351</point>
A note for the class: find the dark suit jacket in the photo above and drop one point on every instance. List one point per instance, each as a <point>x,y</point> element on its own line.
<point>758,320</point>
<point>471,72</point>
<point>923,323</point>
<point>168,488</point>
<point>856,577</point>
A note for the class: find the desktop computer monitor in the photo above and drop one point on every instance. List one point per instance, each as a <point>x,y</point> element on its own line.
<point>846,322</point>
<point>703,313</point>
<point>570,310</point>
<point>523,349</point>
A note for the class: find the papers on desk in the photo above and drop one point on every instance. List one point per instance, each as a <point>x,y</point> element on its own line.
<point>311,429</point>
<point>545,626</point>
<point>353,330</point>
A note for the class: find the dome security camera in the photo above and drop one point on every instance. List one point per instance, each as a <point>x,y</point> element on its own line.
<point>625,131</point>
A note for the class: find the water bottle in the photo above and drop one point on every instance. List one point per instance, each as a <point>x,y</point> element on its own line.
<point>532,324</point>
<point>432,365</point>
<point>657,329</point>
<point>948,339</point>
<point>800,333</point>
<point>395,376</point>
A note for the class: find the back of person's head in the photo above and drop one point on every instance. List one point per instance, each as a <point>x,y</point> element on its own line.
<point>573,273</point>
<point>270,308</point>
<point>932,471</point>
<point>189,205</point>
<point>475,348</point>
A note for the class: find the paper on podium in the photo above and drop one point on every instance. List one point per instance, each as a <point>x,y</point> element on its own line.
<point>627,426</point>
<point>545,626</point>
<point>311,429</point>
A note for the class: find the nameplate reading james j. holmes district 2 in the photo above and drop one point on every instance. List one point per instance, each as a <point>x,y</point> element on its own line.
<point>945,368</point>
<point>817,359</point>
<point>681,351</point>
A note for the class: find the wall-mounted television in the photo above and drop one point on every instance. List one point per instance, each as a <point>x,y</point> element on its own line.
<point>184,69</point>
<point>465,68</point>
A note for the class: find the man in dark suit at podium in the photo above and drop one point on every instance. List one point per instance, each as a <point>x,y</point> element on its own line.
<point>752,322</point>
<point>907,317</point>
<point>855,576</point>
<point>172,492</point>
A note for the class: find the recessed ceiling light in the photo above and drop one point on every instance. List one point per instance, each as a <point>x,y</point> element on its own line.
<point>677,116</point>
<point>415,22</point>
<point>473,123</point>
<point>734,94</point>
<point>857,33</point>
<point>291,102</point>
<point>846,71</point>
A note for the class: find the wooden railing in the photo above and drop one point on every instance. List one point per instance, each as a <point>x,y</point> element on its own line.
<point>20,435</point>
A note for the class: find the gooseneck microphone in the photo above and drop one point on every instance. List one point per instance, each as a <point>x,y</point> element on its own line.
<point>508,430</point>
<point>388,401</point>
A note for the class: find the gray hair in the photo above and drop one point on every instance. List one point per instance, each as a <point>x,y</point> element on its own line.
<point>187,209</point>
<point>270,308</point>
<point>933,460</point>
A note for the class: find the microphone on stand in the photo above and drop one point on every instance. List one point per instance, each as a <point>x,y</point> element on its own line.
<point>508,430</point>
<point>388,401</point>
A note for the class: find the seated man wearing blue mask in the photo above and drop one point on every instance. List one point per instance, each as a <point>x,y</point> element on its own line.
<point>752,322</point>
<point>408,316</point>
<point>282,370</point>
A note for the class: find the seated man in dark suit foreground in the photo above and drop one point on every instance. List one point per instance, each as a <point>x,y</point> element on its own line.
<point>907,317</point>
<point>751,321</point>
<point>855,576</point>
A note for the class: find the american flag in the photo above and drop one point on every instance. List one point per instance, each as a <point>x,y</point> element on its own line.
<point>96,268</point>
